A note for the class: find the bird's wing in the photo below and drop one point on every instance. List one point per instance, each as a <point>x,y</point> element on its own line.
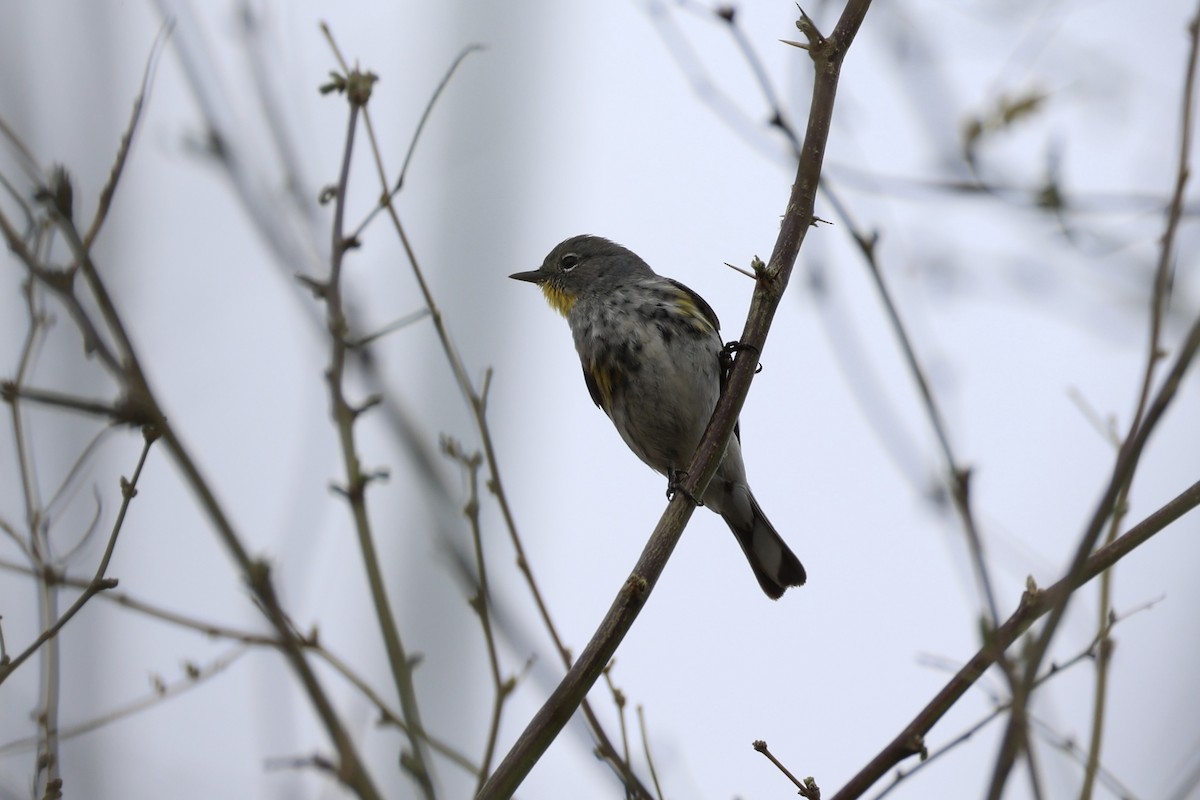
<point>593,388</point>
<point>701,304</point>
<point>725,361</point>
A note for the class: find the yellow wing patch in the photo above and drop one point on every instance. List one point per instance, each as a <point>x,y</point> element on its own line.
<point>600,382</point>
<point>693,307</point>
<point>694,315</point>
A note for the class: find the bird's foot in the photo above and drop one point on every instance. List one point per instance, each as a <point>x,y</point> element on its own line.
<point>675,485</point>
<point>729,349</point>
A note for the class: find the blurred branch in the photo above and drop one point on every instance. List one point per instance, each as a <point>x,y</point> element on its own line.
<point>122,363</point>
<point>412,147</point>
<point>827,54</point>
<point>311,642</point>
<point>193,677</point>
<point>1104,651</point>
<point>11,391</point>
<point>1097,771</point>
<point>619,701</point>
<point>296,248</point>
<point>1089,653</point>
<point>47,780</point>
<point>1091,202</point>
<point>1035,603</point>
<point>1144,421</point>
<point>658,794</point>
<point>45,566</point>
<point>480,603</point>
<point>264,67</point>
<point>118,167</point>
<point>99,582</point>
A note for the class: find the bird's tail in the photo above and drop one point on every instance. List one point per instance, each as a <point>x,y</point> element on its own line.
<point>775,565</point>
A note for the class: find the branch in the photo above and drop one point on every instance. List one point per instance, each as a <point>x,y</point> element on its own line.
<point>1144,421</point>
<point>480,602</point>
<point>118,167</point>
<point>772,280</point>
<point>216,630</point>
<point>1034,604</point>
<point>99,582</point>
<point>194,676</point>
<point>124,366</point>
<point>357,87</point>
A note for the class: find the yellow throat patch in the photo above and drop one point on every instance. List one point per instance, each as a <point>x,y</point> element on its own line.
<point>559,300</point>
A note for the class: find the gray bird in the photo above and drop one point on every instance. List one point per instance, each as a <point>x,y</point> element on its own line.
<point>651,355</point>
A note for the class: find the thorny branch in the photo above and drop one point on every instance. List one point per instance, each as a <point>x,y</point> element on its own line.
<point>827,54</point>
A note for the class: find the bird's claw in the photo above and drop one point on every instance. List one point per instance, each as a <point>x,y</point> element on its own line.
<point>736,347</point>
<point>675,485</point>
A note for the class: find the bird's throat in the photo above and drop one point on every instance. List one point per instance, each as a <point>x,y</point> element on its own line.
<point>559,300</point>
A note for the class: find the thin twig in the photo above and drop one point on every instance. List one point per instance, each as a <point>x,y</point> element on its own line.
<point>619,701</point>
<point>118,167</point>
<point>357,90</point>
<point>10,391</point>
<point>646,751</point>
<point>1068,745</point>
<point>29,486</point>
<point>412,146</point>
<point>194,677</point>
<point>807,788</point>
<point>481,602</point>
<point>99,582</point>
<point>47,780</point>
<point>61,283</point>
<point>1104,652</point>
<point>391,327</point>
<point>65,490</point>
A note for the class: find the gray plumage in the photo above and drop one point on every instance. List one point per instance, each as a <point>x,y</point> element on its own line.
<point>650,350</point>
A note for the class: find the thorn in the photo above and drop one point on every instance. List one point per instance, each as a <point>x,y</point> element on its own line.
<point>319,288</point>
<point>745,272</point>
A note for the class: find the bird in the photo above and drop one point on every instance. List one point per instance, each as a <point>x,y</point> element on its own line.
<point>652,360</point>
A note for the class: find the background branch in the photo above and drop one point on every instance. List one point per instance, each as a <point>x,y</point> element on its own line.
<point>357,88</point>
<point>1035,603</point>
<point>1140,428</point>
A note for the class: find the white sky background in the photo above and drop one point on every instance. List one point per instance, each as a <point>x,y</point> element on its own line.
<point>577,119</point>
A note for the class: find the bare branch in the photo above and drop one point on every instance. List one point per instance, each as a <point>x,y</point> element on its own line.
<point>771,283</point>
<point>1145,419</point>
<point>1034,604</point>
<point>357,86</point>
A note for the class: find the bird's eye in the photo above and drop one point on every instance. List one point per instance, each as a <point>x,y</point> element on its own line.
<point>569,261</point>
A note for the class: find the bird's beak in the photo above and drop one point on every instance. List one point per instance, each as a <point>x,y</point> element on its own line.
<point>533,276</point>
